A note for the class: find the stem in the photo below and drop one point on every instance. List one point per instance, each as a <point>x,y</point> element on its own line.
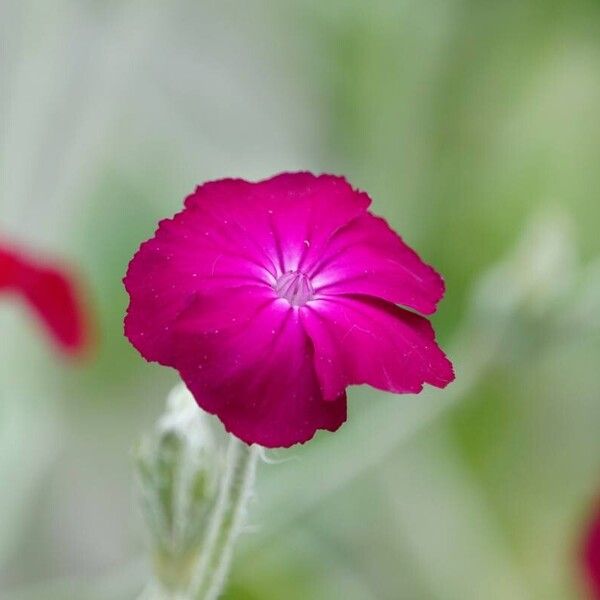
<point>226,522</point>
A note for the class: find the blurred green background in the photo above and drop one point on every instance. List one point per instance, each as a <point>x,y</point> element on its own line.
<point>475,127</point>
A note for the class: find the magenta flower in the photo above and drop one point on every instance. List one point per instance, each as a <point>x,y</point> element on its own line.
<point>50,292</point>
<point>271,298</point>
<point>590,556</point>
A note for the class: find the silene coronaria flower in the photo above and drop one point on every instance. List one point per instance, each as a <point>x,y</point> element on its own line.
<point>51,294</point>
<point>271,298</point>
<point>590,555</point>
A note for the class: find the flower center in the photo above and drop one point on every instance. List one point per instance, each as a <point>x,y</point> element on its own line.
<point>295,287</point>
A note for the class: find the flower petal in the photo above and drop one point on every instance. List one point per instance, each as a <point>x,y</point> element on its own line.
<point>50,293</point>
<point>590,555</point>
<point>246,358</point>
<point>290,216</point>
<point>189,253</point>
<point>359,339</point>
<point>367,257</point>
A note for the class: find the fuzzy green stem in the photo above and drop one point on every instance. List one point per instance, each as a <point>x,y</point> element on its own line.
<point>226,522</point>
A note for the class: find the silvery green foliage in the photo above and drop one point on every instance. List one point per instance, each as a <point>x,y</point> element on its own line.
<point>537,275</point>
<point>179,468</point>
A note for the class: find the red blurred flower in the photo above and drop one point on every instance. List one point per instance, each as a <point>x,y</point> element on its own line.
<point>50,293</point>
<point>271,298</point>
<point>590,556</point>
